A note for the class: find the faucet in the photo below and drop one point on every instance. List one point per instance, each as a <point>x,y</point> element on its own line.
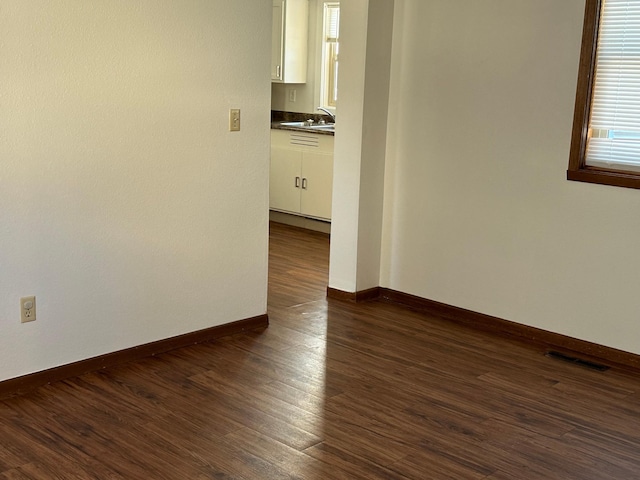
<point>333,117</point>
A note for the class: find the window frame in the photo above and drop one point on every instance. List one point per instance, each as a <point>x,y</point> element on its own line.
<point>325,68</point>
<point>578,170</point>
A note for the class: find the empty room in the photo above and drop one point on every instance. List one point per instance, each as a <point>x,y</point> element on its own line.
<point>473,313</point>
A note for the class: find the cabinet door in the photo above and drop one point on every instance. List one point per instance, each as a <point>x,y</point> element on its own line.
<point>285,179</point>
<point>277,40</point>
<point>317,184</point>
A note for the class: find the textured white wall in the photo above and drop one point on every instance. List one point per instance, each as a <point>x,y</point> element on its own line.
<point>348,146</point>
<point>478,213</point>
<point>126,206</point>
<point>374,128</point>
<point>359,154</point>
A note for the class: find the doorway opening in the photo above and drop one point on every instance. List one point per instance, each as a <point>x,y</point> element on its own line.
<point>304,73</point>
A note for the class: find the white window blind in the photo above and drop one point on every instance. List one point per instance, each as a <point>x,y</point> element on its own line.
<point>614,127</point>
<point>332,22</point>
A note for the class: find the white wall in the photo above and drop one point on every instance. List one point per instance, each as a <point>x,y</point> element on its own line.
<point>126,206</point>
<point>374,126</point>
<point>345,203</point>
<point>359,154</point>
<point>478,213</point>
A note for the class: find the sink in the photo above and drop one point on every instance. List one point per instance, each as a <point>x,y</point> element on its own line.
<point>326,127</point>
<point>294,124</point>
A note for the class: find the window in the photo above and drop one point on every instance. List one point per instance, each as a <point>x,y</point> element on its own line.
<point>330,50</point>
<point>605,145</point>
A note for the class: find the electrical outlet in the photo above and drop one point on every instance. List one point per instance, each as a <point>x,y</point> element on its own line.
<point>27,309</point>
<point>292,95</point>
<point>234,120</point>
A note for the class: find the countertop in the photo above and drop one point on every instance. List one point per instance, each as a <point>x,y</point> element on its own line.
<point>277,117</point>
<point>279,126</point>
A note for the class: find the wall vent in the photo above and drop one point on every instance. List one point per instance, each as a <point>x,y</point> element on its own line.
<point>304,140</point>
<point>578,361</point>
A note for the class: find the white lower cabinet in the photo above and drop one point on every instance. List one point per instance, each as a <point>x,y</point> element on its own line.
<point>301,176</point>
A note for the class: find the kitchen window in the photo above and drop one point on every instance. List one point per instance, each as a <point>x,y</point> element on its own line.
<point>605,145</point>
<point>330,52</point>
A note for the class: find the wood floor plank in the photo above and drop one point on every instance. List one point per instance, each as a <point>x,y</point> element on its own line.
<point>290,460</point>
<point>336,457</point>
<point>426,464</point>
<point>14,474</point>
<point>331,390</point>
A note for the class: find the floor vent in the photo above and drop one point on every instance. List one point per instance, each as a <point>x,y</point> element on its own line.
<point>577,361</point>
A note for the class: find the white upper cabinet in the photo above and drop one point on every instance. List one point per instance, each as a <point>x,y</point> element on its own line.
<point>289,41</point>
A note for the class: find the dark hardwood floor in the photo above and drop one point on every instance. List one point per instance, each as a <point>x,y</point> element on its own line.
<point>330,390</point>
